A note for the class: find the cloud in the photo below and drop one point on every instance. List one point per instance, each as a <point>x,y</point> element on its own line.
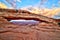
<point>18,0</point>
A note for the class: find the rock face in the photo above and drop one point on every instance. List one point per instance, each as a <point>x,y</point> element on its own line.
<point>44,30</point>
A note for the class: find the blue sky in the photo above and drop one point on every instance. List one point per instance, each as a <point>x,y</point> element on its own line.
<point>27,3</point>
<point>24,3</point>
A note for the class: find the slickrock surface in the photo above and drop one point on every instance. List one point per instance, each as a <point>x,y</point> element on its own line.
<point>44,30</point>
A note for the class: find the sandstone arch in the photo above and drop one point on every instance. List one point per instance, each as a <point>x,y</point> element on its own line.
<point>48,29</point>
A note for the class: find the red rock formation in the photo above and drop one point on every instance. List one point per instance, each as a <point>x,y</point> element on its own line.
<point>47,29</point>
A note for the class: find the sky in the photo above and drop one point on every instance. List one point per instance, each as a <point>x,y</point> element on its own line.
<point>17,4</point>
<point>24,3</point>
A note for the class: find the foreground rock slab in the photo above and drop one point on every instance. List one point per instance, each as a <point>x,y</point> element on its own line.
<point>41,31</point>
